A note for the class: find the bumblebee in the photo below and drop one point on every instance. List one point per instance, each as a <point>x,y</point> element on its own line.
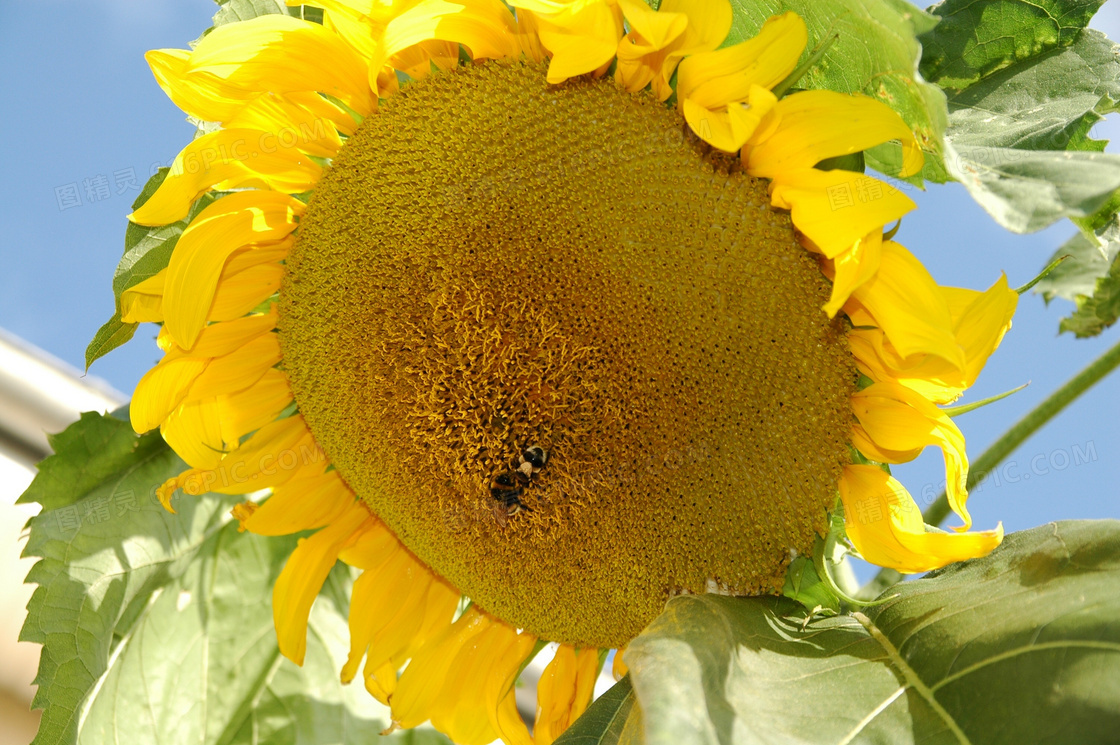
<point>506,490</point>
<point>531,461</point>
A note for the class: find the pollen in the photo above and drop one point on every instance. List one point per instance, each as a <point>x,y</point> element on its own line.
<point>495,264</point>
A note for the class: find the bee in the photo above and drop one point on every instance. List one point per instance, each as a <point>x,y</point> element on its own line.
<point>531,461</point>
<point>506,488</point>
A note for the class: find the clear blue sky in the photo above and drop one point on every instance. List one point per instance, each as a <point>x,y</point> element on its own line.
<point>81,104</point>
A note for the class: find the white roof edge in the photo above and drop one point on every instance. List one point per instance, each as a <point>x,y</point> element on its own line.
<point>40,393</point>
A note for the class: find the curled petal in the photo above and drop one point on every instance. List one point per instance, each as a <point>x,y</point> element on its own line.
<point>885,525</point>
<point>855,123</point>
<point>852,268</point>
<point>486,27</point>
<point>143,302</point>
<point>714,79</point>
<point>908,305</point>
<point>834,209</point>
<point>896,423</point>
<point>980,320</point>
<point>580,35</point>
<point>564,691</point>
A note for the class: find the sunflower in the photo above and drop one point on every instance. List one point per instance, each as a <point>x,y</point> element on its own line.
<point>538,317</point>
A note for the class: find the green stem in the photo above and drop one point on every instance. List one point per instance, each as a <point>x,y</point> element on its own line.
<point>1005,445</point>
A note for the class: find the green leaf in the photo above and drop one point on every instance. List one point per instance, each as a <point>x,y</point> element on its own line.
<point>1047,102</point>
<point>978,37</point>
<point>1088,277</point>
<point>1026,190</point>
<point>876,54</point>
<point>1026,83</point>
<point>102,555</point>
<point>157,627</point>
<point>112,334</point>
<point>1097,312</point>
<point>1021,647</point>
<point>613,719</point>
<point>201,663</point>
<point>91,452</point>
<point>1077,276</point>
<point>232,11</point>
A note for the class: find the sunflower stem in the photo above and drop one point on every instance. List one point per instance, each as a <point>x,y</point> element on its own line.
<point>1005,445</point>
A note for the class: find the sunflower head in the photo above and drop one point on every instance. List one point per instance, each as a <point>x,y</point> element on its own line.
<point>550,309</point>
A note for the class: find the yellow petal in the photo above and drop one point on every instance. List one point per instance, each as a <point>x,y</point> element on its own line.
<point>389,594</point>
<point>237,370</point>
<point>905,301</point>
<point>373,547</point>
<point>289,125</point>
<point>580,36</point>
<point>528,36</point>
<point>280,54</point>
<point>305,502</point>
<point>619,668</point>
<point>227,159</point>
<point>302,577</point>
<point>409,629</point>
<point>460,711</point>
<point>143,302</point>
<point>167,384</point>
<point>980,320</point>
<point>642,52</point>
<point>895,418</point>
<point>708,23</point>
<point>714,79</point>
<point>232,222</point>
<point>498,689</point>
<point>837,208</point>
<point>852,268</point>
<point>201,95</point>
<point>909,306</point>
<point>729,128</point>
<point>161,390</point>
<point>564,691</point>
<point>250,409</point>
<point>194,432</point>
<point>713,127</point>
<point>485,27</point>
<point>220,339</point>
<point>419,688</point>
<point>885,526</point>
<point>242,291</point>
<point>273,455</point>
<point>816,125</point>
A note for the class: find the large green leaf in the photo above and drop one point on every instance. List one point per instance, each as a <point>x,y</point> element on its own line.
<point>1020,647</point>
<point>875,53</point>
<point>95,450</point>
<point>1026,82</point>
<point>1098,311</point>
<point>157,627</point>
<point>1090,277</point>
<point>975,38</point>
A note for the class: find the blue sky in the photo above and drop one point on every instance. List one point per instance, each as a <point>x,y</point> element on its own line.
<point>85,117</point>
